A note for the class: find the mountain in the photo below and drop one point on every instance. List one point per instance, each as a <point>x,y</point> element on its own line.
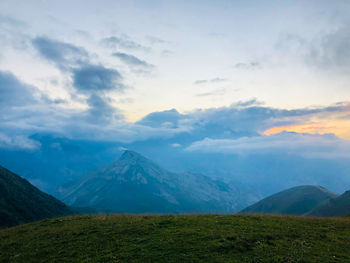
<point>21,202</point>
<point>134,184</point>
<point>294,201</point>
<point>338,206</point>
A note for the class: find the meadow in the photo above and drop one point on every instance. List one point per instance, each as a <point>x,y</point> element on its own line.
<point>178,238</point>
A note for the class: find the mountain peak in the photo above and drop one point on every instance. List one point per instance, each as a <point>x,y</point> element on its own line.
<point>131,155</point>
<point>135,184</point>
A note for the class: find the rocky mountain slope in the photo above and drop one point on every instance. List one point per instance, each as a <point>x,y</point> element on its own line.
<point>134,184</point>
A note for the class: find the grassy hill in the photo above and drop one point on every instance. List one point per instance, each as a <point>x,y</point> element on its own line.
<point>189,238</point>
<point>21,202</point>
<point>298,200</point>
<point>339,206</point>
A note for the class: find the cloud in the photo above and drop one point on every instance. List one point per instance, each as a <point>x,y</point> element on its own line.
<point>13,34</point>
<point>126,100</point>
<point>95,78</point>
<point>100,111</point>
<point>63,55</point>
<point>18,142</point>
<point>216,92</point>
<point>332,50</point>
<point>94,82</point>
<point>132,60</point>
<point>155,40</point>
<point>7,20</point>
<point>118,42</point>
<point>326,51</point>
<point>308,145</point>
<point>248,103</point>
<point>243,118</point>
<point>248,66</point>
<point>209,81</point>
<point>169,118</point>
<point>166,53</point>
<point>91,80</point>
<point>87,77</point>
<point>13,92</point>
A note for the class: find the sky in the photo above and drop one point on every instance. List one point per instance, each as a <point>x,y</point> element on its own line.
<point>100,70</point>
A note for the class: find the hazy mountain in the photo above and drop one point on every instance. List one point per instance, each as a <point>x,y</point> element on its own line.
<point>134,184</point>
<point>339,206</point>
<point>60,160</point>
<point>294,201</point>
<point>21,202</point>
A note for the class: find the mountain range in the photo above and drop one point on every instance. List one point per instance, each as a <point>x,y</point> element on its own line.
<point>134,184</point>
<point>21,202</point>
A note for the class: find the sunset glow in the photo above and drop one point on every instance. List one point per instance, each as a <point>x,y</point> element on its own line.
<point>340,128</point>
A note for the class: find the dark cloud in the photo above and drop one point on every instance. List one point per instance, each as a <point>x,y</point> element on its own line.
<point>87,77</point>
<point>94,81</point>
<point>206,81</point>
<point>332,51</point>
<point>63,55</point>
<point>101,111</point>
<point>13,92</point>
<point>168,118</point>
<point>327,51</point>
<point>118,42</point>
<point>44,98</point>
<point>243,118</point>
<point>95,78</point>
<point>132,60</point>
<point>248,66</point>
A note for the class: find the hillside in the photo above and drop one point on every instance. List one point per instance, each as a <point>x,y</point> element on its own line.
<point>21,202</point>
<point>134,184</point>
<point>339,206</point>
<point>294,201</point>
<point>191,238</point>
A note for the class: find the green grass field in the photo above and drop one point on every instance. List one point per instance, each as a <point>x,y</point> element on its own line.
<point>189,238</point>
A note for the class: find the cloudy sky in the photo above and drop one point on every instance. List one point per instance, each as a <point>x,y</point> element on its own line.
<point>95,69</point>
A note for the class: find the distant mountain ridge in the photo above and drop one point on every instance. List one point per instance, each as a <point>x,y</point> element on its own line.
<point>134,184</point>
<point>21,202</point>
<point>298,200</point>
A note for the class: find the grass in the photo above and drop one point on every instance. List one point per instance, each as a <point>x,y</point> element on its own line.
<point>168,238</point>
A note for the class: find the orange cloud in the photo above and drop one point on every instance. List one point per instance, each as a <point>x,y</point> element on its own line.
<point>340,128</point>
